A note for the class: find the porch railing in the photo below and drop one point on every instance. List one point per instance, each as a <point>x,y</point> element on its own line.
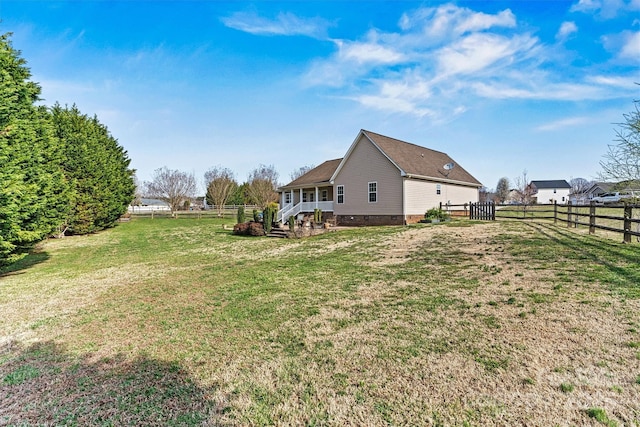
<point>289,210</point>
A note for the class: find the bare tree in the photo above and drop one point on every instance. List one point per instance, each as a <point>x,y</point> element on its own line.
<point>172,186</point>
<point>579,187</point>
<point>221,185</point>
<point>524,191</point>
<point>502,189</point>
<point>622,161</point>
<point>300,171</point>
<point>263,182</point>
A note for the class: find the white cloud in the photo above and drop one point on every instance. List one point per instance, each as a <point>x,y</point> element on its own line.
<point>545,91</point>
<point>285,24</point>
<point>368,52</point>
<point>631,46</point>
<point>441,55</point>
<point>620,82</point>
<point>478,51</point>
<point>447,20</point>
<point>566,29</point>
<point>483,21</point>
<point>563,123</point>
<point>393,104</point>
<point>586,6</point>
<point>606,9</point>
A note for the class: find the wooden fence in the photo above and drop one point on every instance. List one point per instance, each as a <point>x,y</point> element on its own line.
<point>620,218</point>
<point>602,218</point>
<point>229,211</point>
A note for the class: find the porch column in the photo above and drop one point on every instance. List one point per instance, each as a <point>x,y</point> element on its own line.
<point>316,197</point>
<point>292,201</point>
<point>282,200</point>
<point>301,196</point>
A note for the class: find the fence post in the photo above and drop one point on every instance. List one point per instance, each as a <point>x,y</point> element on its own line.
<point>592,217</point>
<point>555,212</point>
<point>569,214</point>
<point>627,222</point>
<point>493,211</point>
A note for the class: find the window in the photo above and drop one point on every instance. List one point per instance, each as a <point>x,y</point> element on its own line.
<point>373,192</point>
<point>325,195</point>
<point>340,193</point>
<point>304,197</point>
<point>312,197</point>
<point>287,198</point>
<point>438,189</point>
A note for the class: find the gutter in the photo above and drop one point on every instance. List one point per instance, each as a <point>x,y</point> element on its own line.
<point>438,179</point>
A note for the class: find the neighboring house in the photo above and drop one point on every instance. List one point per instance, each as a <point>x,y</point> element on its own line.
<point>600,188</point>
<point>150,205</point>
<point>380,180</point>
<point>552,191</point>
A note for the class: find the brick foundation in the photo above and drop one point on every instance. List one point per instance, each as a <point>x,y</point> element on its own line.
<point>361,220</point>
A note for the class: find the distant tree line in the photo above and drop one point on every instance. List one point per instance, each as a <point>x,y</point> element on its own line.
<point>178,188</point>
<point>61,171</point>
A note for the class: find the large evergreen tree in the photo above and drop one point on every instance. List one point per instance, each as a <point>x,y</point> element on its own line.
<point>33,189</point>
<point>97,168</point>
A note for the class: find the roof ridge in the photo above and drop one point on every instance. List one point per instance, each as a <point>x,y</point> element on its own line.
<point>404,142</point>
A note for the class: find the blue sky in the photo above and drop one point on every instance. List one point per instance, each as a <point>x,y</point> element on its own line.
<point>501,86</point>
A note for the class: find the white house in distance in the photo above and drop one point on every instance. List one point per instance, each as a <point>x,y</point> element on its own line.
<point>379,181</point>
<point>553,191</point>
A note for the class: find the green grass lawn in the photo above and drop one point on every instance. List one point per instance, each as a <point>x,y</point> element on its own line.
<point>178,322</point>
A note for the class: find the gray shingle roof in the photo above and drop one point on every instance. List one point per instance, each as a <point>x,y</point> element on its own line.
<point>411,159</point>
<point>318,175</point>
<point>556,183</point>
<point>415,160</point>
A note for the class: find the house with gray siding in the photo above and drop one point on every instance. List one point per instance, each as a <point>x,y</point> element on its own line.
<point>380,180</point>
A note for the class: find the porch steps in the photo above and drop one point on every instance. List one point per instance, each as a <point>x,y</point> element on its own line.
<point>278,232</point>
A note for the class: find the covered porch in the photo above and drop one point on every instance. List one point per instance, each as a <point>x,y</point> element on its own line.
<point>304,200</point>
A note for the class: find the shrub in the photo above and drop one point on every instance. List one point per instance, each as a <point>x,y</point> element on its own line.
<point>240,216</point>
<point>292,223</point>
<point>436,213</point>
<point>256,215</point>
<point>248,229</point>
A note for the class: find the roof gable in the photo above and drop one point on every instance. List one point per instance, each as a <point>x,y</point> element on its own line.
<point>318,175</point>
<point>413,160</point>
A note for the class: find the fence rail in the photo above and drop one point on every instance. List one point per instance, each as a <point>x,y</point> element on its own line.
<point>228,211</point>
<point>593,216</point>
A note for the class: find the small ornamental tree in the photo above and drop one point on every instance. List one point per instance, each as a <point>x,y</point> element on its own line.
<point>240,216</point>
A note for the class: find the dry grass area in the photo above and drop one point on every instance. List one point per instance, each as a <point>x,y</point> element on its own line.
<point>177,322</point>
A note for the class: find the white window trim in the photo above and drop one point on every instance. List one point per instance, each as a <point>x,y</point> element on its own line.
<point>369,192</point>
<point>338,194</point>
<point>324,195</point>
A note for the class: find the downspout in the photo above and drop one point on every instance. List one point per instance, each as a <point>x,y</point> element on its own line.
<point>404,202</point>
